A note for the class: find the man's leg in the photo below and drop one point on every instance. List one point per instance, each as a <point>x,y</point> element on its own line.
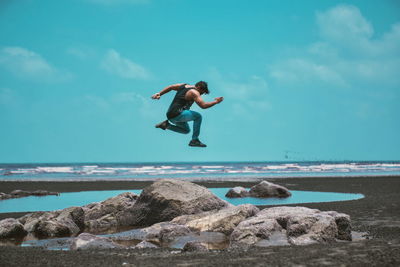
<point>182,126</point>
<point>179,127</point>
<point>196,124</point>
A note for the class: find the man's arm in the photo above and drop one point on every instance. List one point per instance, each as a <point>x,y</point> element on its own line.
<point>166,90</point>
<point>199,101</point>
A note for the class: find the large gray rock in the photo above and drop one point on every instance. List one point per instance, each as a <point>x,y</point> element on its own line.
<point>11,228</point>
<point>108,213</point>
<point>300,225</point>
<point>223,221</point>
<point>167,199</point>
<point>89,241</point>
<point>236,192</point>
<point>266,189</point>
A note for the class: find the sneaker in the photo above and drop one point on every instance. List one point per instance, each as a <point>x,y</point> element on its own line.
<point>197,142</point>
<point>163,125</point>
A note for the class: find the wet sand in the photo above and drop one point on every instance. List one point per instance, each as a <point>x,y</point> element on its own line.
<point>378,214</point>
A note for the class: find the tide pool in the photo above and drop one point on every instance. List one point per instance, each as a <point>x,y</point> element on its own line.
<point>64,200</point>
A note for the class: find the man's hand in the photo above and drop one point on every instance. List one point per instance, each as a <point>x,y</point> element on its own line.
<point>156,96</point>
<point>219,99</point>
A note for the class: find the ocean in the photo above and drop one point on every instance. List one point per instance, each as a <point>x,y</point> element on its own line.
<point>211,170</point>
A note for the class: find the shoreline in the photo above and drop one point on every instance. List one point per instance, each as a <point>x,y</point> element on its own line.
<point>376,214</point>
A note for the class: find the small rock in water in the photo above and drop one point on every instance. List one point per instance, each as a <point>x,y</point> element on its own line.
<point>266,189</point>
<point>237,191</point>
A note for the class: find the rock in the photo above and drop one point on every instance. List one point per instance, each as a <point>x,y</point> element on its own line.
<point>43,193</point>
<point>266,189</point>
<point>253,230</point>
<point>30,220</point>
<point>195,246</point>
<point>159,232</point>
<point>89,241</point>
<point>66,222</point>
<point>73,218</point>
<point>108,213</point>
<point>4,196</point>
<point>107,222</point>
<point>300,225</point>
<point>11,228</point>
<point>23,193</point>
<point>237,191</point>
<point>19,193</point>
<point>223,221</point>
<point>343,223</point>
<point>145,244</point>
<point>45,229</point>
<point>167,199</point>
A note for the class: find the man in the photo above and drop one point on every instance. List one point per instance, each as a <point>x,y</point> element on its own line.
<point>179,114</point>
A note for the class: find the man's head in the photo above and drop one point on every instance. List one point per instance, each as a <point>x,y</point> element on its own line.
<point>202,87</point>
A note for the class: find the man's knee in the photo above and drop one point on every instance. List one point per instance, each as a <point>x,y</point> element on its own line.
<point>197,116</point>
<point>186,130</point>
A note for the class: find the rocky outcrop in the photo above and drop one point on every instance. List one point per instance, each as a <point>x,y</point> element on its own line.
<point>177,213</point>
<point>298,225</point>
<point>236,192</point>
<point>223,221</point>
<point>109,213</point>
<point>89,241</point>
<point>23,193</point>
<point>266,189</point>
<point>167,199</point>
<point>11,228</point>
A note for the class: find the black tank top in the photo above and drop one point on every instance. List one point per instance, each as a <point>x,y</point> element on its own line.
<point>179,103</point>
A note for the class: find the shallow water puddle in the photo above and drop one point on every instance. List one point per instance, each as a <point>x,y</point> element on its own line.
<point>64,200</point>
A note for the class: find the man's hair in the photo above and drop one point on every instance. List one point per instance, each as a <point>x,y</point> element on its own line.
<point>202,86</point>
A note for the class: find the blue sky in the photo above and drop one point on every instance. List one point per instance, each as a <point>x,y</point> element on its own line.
<point>313,80</point>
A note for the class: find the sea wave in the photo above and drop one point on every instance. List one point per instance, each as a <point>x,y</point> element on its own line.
<point>268,169</point>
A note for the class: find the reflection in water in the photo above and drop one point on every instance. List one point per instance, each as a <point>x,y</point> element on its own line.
<point>64,200</point>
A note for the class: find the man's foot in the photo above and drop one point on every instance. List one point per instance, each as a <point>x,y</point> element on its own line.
<point>163,125</point>
<point>196,142</point>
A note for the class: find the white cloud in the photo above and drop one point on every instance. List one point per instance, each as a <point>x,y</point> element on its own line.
<point>118,2</point>
<point>28,64</point>
<point>300,70</point>
<point>243,96</point>
<point>115,64</point>
<point>343,22</point>
<point>126,104</point>
<point>346,55</point>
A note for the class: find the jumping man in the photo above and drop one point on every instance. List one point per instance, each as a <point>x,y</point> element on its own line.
<point>179,114</point>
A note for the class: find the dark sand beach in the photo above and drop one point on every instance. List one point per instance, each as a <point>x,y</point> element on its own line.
<point>378,215</point>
